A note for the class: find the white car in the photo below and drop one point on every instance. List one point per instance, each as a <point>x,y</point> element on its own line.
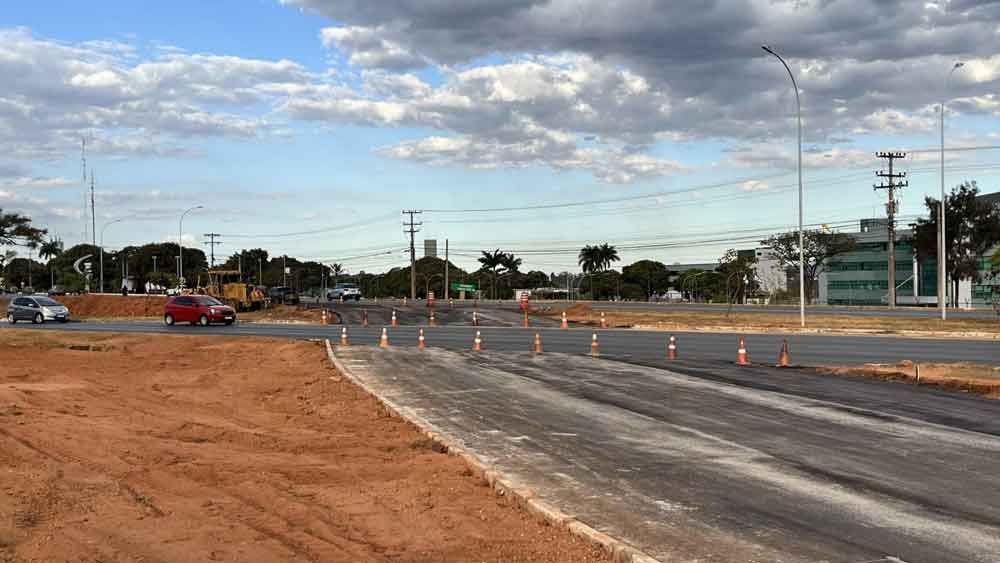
<point>345,291</point>
<point>37,309</point>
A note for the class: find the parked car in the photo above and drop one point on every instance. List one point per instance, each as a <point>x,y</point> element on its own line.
<point>345,291</point>
<point>284,295</point>
<point>36,309</point>
<point>197,309</point>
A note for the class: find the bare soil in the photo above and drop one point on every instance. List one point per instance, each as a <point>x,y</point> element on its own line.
<point>964,377</point>
<point>289,313</point>
<point>720,321</point>
<point>136,448</point>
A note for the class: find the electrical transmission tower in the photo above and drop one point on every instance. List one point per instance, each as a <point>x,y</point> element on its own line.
<point>93,213</point>
<point>413,230</point>
<point>212,243</point>
<point>891,208</point>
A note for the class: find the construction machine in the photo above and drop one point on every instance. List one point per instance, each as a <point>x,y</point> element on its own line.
<point>228,286</point>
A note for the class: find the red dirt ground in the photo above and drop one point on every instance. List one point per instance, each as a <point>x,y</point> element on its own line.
<point>138,448</point>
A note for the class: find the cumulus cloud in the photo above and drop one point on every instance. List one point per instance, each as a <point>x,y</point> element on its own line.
<point>862,65</point>
<point>55,93</point>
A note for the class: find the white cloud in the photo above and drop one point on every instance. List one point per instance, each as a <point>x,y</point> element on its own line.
<point>38,182</point>
<point>754,186</point>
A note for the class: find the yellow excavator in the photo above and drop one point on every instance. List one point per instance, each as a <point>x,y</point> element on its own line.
<point>228,286</point>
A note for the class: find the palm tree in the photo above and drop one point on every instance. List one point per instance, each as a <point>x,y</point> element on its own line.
<point>336,269</point>
<point>510,264</point>
<point>492,261</point>
<point>608,254</point>
<point>48,250</point>
<point>590,260</point>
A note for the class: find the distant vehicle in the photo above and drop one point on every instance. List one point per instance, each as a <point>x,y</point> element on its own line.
<point>228,286</point>
<point>283,295</point>
<point>345,291</point>
<point>56,290</point>
<point>197,309</point>
<point>36,309</point>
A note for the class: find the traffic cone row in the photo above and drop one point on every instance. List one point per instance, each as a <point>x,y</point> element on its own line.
<point>343,336</point>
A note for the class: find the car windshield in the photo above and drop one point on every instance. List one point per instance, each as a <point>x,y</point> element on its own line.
<point>206,300</point>
<point>46,302</point>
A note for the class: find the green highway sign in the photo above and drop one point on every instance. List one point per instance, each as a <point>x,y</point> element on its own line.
<point>463,287</point>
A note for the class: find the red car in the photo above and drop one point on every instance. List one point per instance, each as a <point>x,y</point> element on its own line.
<point>197,309</point>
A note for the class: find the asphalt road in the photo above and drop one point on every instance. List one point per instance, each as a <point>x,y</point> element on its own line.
<point>637,346</point>
<point>708,462</point>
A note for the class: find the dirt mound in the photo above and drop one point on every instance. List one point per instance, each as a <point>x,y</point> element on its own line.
<point>288,313</point>
<point>113,306</point>
<point>224,449</point>
<point>964,377</point>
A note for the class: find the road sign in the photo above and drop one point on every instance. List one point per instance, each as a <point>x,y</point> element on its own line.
<point>463,287</point>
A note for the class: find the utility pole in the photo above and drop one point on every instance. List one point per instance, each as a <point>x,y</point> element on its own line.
<point>154,264</point>
<point>890,209</point>
<point>284,270</point>
<point>260,271</point>
<point>447,289</point>
<point>211,242</point>
<point>83,164</point>
<point>93,216</point>
<point>412,229</point>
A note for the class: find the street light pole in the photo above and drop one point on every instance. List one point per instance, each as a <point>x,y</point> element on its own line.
<point>180,246</point>
<point>802,260</point>
<point>942,250</point>
<point>101,262</point>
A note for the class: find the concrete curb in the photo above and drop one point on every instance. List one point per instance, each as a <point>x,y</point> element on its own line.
<point>619,551</point>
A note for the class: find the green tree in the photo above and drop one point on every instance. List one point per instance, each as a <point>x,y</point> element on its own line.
<point>740,274</point>
<point>650,275</point>
<point>594,259</point>
<point>972,225</point>
<point>820,246</point>
<point>16,230</point>
<point>48,250</point>
<point>608,254</point>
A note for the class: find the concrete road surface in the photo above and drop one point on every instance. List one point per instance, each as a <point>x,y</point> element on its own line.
<point>706,462</point>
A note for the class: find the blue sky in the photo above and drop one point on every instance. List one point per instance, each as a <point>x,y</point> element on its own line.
<point>306,126</point>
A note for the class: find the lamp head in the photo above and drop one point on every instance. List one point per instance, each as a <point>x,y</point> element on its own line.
<point>959,64</point>
<point>767,48</point>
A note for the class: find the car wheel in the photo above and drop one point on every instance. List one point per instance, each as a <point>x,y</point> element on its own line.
<point>168,319</point>
<point>11,318</point>
<point>39,319</point>
<point>203,321</point>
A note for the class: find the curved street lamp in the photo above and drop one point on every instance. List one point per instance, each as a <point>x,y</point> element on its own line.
<point>942,251</point>
<point>802,260</point>
<point>180,245</point>
<point>104,228</point>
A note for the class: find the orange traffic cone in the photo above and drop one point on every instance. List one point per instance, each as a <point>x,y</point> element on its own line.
<point>420,340</point>
<point>672,348</point>
<point>475,318</point>
<point>477,344</point>
<point>741,354</point>
<point>526,319</point>
<point>604,321</point>
<point>384,341</point>
<point>564,323</point>
<point>594,350</point>
<point>364,318</point>
<point>432,321</point>
<point>343,336</point>
<point>322,317</point>
<point>538,343</point>
<point>784,358</point>
<point>395,322</point>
